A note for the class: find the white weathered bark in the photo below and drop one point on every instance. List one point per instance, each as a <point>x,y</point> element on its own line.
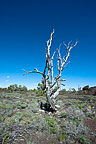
<point>48,70</point>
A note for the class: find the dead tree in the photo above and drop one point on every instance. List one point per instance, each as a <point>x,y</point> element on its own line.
<point>49,80</point>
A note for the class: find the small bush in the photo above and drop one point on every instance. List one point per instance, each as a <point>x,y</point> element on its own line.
<point>63,115</point>
<point>52,125</point>
<point>62,137</point>
<point>83,140</point>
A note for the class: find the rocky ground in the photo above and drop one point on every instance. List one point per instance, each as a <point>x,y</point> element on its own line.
<point>23,122</point>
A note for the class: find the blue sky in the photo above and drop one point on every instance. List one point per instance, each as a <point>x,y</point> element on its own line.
<point>25,26</point>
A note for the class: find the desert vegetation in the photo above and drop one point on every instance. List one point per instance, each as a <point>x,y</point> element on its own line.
<point>22,120</point>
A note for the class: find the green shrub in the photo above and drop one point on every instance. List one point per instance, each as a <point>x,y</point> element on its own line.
<point>83,140</point>
<point>92,116</point>
<point>51,125</point>
<point>63,115</point>
<point>18,116</point>
<point>22,105</point>
<point>62,137</point>
<point>5,138</point>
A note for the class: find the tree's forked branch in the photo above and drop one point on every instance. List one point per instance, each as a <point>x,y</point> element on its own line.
<point>68,47</point>
<point>63,63</point>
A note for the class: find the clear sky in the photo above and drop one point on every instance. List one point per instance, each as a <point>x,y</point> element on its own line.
<point>25,26</point>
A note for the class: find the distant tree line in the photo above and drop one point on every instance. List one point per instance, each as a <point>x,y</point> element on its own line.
<point>38,91</point>
<point>16,87</point>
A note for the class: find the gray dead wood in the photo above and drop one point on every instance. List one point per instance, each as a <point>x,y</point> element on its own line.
<point>48,74</point>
